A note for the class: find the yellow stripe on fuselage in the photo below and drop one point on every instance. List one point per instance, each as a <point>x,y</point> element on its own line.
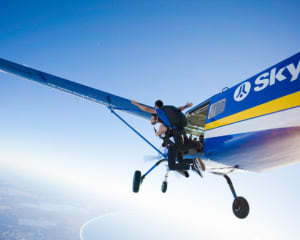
<point>288,101</point>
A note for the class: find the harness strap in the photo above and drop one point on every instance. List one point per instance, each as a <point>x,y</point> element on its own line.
<point>163,117</point>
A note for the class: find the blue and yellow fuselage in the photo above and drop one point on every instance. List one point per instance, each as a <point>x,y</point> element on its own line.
<point>258,121</point>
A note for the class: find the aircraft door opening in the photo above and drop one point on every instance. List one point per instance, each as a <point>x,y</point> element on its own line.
<point>197,119</point>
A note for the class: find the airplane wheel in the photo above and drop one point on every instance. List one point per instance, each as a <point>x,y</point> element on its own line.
<point>240,207</point>
<point>164,186</point>
<point>137,177</point>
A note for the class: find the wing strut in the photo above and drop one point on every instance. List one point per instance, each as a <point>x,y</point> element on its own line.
<point>133,129</point>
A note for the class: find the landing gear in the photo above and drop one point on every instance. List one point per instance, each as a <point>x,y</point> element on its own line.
<point>164,186</point>
<point>137,181</point>
<point>138,177</point>
<point>240,206</point>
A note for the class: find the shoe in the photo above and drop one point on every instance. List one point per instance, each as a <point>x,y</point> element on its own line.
<point>184,173</point>
<point>203,168</point>
<point>197,167</point>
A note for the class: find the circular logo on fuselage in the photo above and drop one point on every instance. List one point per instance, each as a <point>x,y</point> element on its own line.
<point>242,91</point>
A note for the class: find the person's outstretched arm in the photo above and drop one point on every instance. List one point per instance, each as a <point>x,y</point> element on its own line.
<point>189,104</point>
<point>143,107</point>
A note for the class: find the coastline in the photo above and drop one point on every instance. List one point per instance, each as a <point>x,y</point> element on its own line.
<point>95,219</point>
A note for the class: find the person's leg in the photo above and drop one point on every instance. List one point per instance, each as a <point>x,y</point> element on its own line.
<point>178,139</point>
<point>173,152</point>
<point>172,157</point>
<point>181,160</point>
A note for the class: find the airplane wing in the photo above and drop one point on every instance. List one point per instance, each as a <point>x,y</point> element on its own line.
<point>109,100</point>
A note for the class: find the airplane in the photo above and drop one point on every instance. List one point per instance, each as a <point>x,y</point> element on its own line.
<point>252,126</point>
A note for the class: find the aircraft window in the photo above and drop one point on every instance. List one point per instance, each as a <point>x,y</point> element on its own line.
<point>197,119</point>
<point>217,108</point>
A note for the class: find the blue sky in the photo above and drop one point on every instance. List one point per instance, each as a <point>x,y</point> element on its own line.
<point>178,51</point>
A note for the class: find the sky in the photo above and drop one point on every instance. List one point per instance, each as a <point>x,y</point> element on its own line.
<point>177,51</point>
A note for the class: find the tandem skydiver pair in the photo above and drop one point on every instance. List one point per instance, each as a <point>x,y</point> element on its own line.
<point>171,122</point>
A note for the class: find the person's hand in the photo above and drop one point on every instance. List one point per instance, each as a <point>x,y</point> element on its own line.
<point>134,102</point>
<point>189,104</point>
<point>157,134</point>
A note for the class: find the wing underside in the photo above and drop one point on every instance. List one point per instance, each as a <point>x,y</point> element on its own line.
<point>107,99</point>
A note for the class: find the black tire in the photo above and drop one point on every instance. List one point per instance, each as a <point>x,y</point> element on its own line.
<point>164,186</point>
<point>240,207</point>
<point>136,181</point>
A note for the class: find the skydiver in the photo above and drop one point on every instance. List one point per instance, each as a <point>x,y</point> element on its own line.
<point>175,121</point>
<point>162,131</point>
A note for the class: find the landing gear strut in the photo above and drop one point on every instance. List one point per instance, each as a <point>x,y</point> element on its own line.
<point>138,178</point>
<point>240,206</point>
